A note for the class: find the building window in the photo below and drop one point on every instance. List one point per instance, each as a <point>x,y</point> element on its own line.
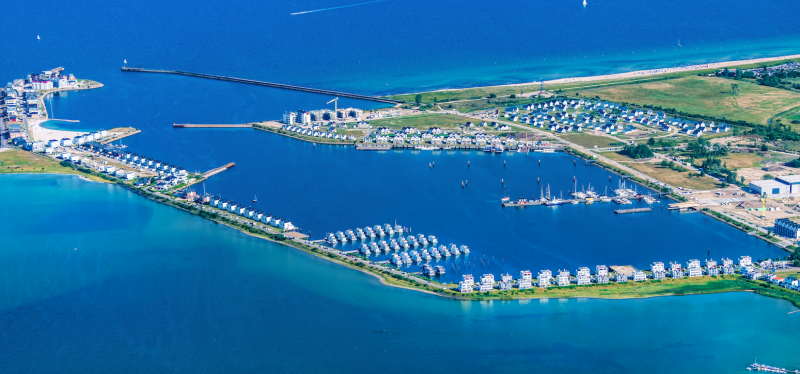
<point>776,191</point>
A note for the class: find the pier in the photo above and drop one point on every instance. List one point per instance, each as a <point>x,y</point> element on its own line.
<point>268,84</point>
<point>192,125</point>
<point>117,135</point>
<point>218,170</point>
<point>635,210</point>
<point>373,147</point>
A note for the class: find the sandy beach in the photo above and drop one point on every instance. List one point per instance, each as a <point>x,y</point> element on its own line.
<point>644,73</point>
<point>44,134</point>
<point>639,73</point>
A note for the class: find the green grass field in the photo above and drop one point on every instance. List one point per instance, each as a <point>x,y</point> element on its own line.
<point>15,161</point>
<point>709,96</point>
<point>674,178</point>
<point>589,141</point>
<point>422,121</point>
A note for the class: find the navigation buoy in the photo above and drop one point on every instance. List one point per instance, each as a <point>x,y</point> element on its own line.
<point>540,162</point>
<point>609,178</point>
<point>537,180</point>
<point>429,165</point>
<point>501,181</point>
<point>433,163</point>
<point>504,163</point>
<point>573,178</point>
<point>574,163</point>
<point>466,182</point>
<point>467,163</point>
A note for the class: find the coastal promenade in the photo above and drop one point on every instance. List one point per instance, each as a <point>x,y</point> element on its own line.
<point>268,84</point>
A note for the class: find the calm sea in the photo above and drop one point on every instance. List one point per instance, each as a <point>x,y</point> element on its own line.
<point>96,279</point>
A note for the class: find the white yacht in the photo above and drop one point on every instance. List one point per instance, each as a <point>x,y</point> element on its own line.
<point>388,229</point>
<point>465,249</point>
<point>378,230</point>
<point>439,269</point>
<point>422,239</point>
<point>432,239</point>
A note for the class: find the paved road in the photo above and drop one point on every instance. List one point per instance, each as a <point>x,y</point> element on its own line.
<point>3,130</point>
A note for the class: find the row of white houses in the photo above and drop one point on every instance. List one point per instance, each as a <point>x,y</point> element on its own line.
<point>251,213</point>
<point>317,133</point>
<point>583,276</point>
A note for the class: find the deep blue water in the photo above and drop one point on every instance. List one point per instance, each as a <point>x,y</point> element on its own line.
<point>328,188</point>
<point>152,289</point>
<point>97,279</point>
<point>395,46</point>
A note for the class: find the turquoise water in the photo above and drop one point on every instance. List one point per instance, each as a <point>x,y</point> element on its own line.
<point>96,279</point>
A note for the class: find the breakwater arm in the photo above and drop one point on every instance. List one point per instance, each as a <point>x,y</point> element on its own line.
<point>268,84</point>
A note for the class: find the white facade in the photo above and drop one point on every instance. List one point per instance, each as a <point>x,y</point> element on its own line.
<point>693,268</point>
<point>745,261</point>
<point>676,270</point>
<point>583,276</point>
<point>639,276</point>
<point>563,278</point>
<point>543,279</point>
<point>602,274</point>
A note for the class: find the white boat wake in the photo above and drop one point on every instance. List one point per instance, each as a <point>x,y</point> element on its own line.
<point>339,7</point>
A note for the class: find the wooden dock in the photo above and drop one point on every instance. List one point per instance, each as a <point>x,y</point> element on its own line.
<point>192,125</point>
<point>635,210</point>
<point>268,84</point>
<point>218,170</point>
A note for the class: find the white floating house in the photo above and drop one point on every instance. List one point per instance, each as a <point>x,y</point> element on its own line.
<point>563,278</point>
<point>639,276</point>
<point>675,270</point>
<point>602,274</point>
<point>543,278</point>
<point>657,268</point>
<point>694,269</point>
<point>583,276</point>
<point>525,281</point>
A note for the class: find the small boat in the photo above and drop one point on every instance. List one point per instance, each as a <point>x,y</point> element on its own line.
<point>498,149</point>
<point>505,199</point>
<point>488,148</point>
<point>584,4</point>
<point>439,269</point>
<point>554,202</point>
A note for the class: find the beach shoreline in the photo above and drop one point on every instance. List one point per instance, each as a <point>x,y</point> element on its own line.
<point>627,75</point>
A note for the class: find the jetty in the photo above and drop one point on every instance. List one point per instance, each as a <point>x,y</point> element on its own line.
<point>635,210</point>
<point>114,136</point>
<point>373,147</point>
<point>192,125</point>
<point>267,84</point>
<point>218,170</point>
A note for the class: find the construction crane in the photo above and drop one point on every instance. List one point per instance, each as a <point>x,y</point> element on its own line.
<point>335,104</point>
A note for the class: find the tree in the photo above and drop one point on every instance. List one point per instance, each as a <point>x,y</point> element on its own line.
<point>651,142</point>
<point>513,96</point>
<point>742,179</point>
<point>434,100</point>
<point>418,99</point>
<point>764,147</point>
<point>796,256</point>
<point>492,96</point>
<point>734,89</point>
<point>726,72</point>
